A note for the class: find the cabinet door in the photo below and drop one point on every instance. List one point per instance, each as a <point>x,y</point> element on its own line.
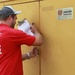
<point>30,11</point>
<point>58,50</point>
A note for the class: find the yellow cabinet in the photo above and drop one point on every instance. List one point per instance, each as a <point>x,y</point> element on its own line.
<point>58,50</point>
<point>57,54</point>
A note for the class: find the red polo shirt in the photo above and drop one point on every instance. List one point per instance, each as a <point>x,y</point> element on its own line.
<point>10,49</point>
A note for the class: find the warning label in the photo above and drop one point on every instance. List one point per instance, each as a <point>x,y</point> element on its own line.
<point>65,13</point>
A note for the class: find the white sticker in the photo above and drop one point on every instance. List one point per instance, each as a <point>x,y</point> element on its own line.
<point>65,13</point>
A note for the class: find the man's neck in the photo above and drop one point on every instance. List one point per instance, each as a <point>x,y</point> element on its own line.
<point>3,22</point>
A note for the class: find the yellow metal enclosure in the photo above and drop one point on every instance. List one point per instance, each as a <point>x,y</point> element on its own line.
<point>57,53</point>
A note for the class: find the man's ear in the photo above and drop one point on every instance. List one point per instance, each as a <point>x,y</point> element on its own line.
<point>10,17</point>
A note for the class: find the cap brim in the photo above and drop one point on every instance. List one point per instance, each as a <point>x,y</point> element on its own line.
<point>17,12</point>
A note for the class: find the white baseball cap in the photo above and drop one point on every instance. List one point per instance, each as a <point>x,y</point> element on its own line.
<point>14,11</point>
<point>7,11</point>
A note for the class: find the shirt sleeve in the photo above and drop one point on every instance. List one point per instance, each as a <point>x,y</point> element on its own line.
<point>21,38</point>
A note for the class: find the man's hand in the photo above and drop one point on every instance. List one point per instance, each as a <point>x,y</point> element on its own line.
<point>34,52</point>
<point>34,29</point>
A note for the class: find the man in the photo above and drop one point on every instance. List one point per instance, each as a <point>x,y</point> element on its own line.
<point>11,40</point>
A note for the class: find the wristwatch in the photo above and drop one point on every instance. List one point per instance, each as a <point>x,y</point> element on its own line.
<point>28,55</point>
